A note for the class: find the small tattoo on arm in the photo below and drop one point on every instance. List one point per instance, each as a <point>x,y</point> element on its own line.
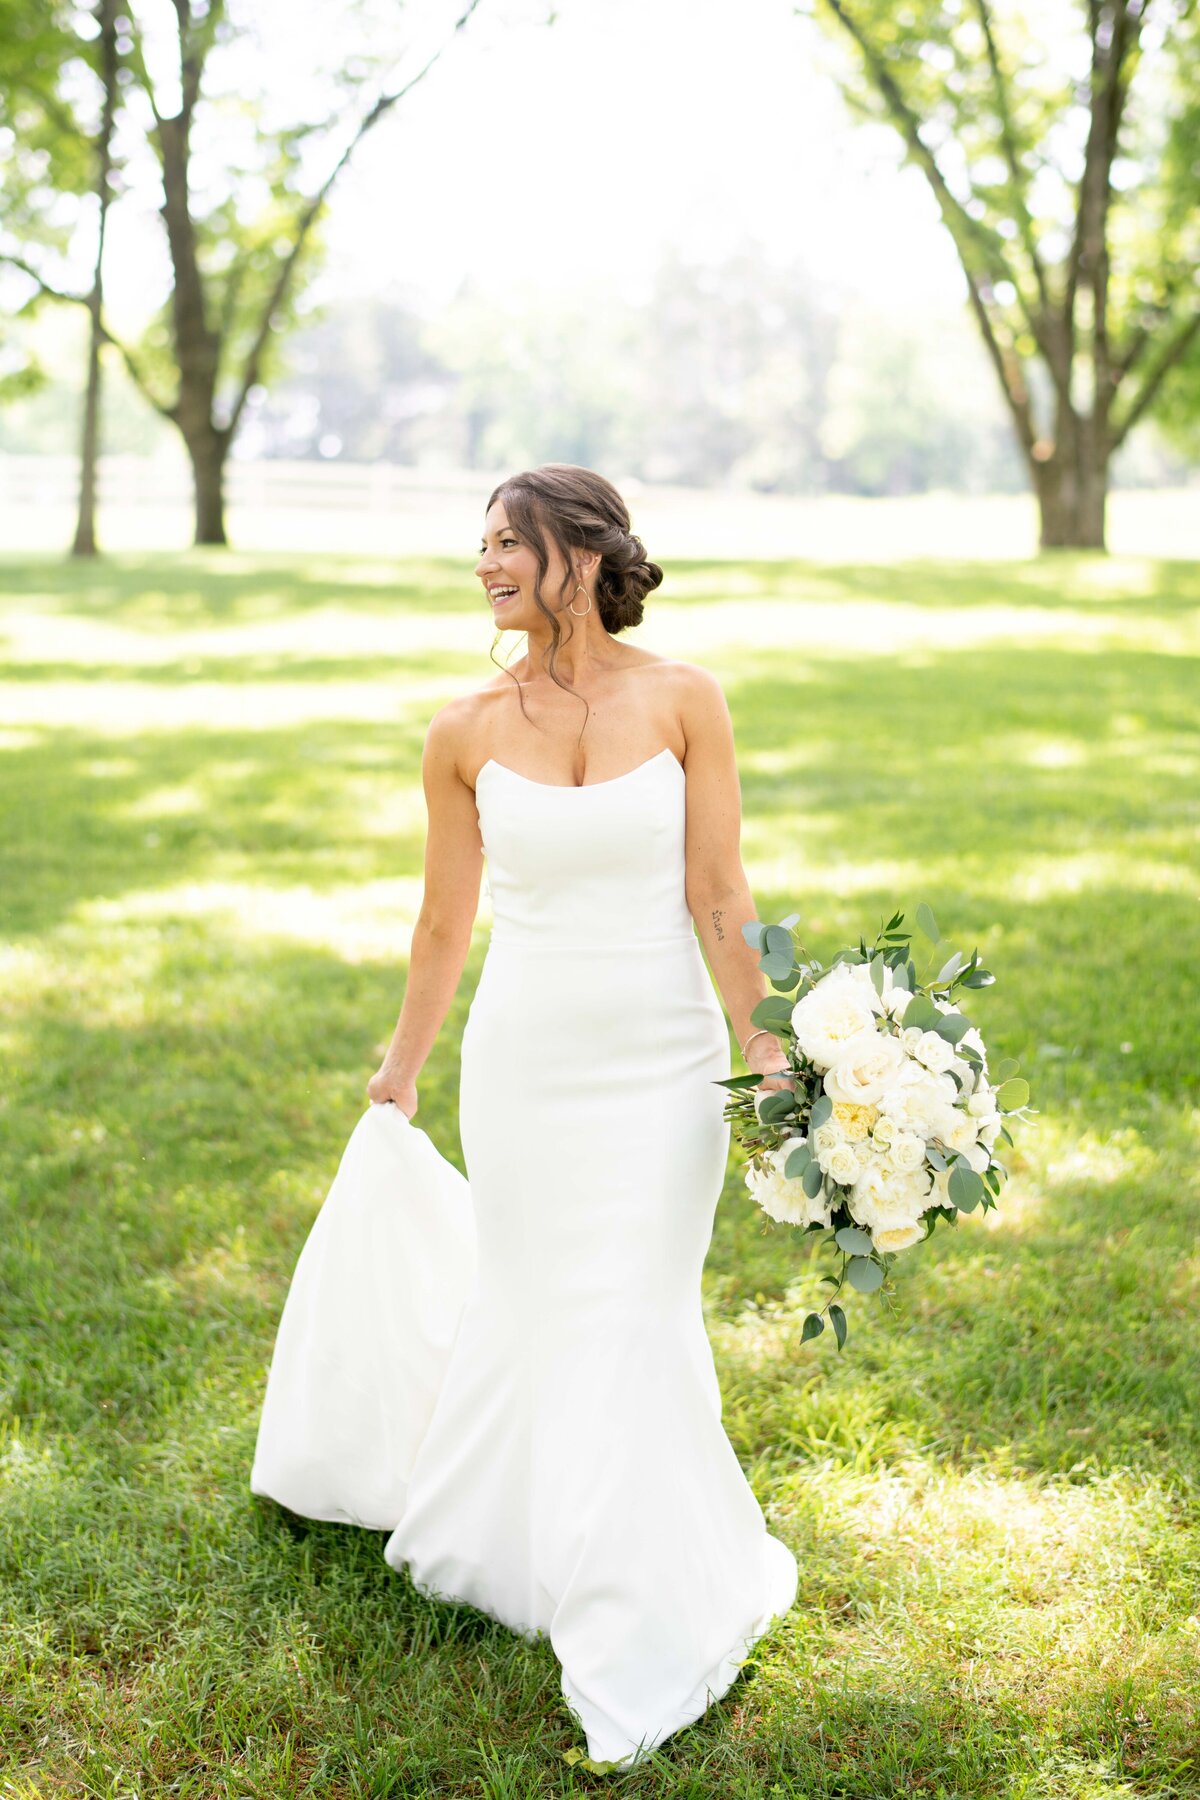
<point>716,919</point>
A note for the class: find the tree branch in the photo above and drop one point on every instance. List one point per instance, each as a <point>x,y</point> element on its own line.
<point>253,364</point>
<point>1016,174</point>
<point>1174,351</point>
<point>123,351</point>
<point>962,228</point>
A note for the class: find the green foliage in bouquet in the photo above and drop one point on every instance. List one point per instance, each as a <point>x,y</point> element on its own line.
<point>871,1145</point>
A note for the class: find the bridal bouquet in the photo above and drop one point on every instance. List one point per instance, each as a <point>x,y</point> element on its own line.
<point>893,1116</point>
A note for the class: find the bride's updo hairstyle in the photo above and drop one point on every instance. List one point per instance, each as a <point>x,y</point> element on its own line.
<point>576,509</point>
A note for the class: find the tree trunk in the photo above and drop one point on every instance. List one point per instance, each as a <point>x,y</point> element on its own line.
<point>1072,492</point>
<point>85,524</point>
<point>208,452</point>
<point>84,543</point>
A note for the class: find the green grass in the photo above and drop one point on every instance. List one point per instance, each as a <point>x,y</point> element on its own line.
<point>211,854</point>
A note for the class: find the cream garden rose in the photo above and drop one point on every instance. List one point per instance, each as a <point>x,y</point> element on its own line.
<point>854,1122</point>
<point>863,1076</point>
<point>834,1019</point>
<point>907,1152</point>
<point>933,1051</point>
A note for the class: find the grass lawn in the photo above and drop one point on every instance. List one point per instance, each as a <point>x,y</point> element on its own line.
<point>211,832</point>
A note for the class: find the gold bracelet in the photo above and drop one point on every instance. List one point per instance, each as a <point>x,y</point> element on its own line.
<point>761,1032</point>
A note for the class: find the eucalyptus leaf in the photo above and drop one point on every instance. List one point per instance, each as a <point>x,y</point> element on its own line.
<point>951,1025</point>
<point>792,919</point>
<point>837,1319</point>
<point>754,932</point>
<point>822,1108</point>
<point>797,1161</point>
<point>934,1155</point>
<point>772,1011</point>
<point>779,942</point>
<point>776,1104</point>
<point>927,923</point>
<point>853,1241</point>
<point>1012,1093</point>
<point>776,967</point>
<point>864,1275</point>
<point>812,1178</point>
<point>1008,1066</point>
<point>965,1187</point>
<point>876,970</point>
<point>949,969</point>
<point>922,1013</point>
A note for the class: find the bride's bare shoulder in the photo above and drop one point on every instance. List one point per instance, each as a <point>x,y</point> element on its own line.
<point>459,725</point>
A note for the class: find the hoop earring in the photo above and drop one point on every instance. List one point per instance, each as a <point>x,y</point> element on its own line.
<point>580,589</point>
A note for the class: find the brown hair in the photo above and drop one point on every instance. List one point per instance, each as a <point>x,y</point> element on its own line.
<point>578,509</point>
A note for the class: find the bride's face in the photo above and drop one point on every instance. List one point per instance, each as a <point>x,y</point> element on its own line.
<point>507,562</point>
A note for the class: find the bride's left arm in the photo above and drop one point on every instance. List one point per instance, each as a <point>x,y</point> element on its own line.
<point>718,893</point>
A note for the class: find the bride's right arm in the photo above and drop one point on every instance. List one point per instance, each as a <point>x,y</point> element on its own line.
<point>441,936</point>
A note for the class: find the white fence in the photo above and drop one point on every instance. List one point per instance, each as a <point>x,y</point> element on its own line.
<point>338,508</point>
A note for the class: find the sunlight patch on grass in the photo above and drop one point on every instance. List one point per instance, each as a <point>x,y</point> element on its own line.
<point>325,633</point>
<point>1055,755</point>
<point>875,628</point>
<point>1121,1157</point>
<point>168,802</point>
<point>1044,877</point>
<point>1033,1540</point>
<point>367,921</point>
<point>127,708</point>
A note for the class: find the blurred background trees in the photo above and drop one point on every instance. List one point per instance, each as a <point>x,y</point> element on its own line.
<point>1062,148</point>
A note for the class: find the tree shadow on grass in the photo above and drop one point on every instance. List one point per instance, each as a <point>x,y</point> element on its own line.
<point>158,594</point>
<point>891,763</point>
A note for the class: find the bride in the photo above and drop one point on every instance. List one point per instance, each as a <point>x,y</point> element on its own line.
<point>508,1372</point>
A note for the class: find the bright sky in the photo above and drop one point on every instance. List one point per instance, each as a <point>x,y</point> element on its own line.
<point>570,155</point>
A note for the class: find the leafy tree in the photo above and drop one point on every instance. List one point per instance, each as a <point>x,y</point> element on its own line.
<point>1063,159</point>
<point>44,159</point>
<point>240,212</point>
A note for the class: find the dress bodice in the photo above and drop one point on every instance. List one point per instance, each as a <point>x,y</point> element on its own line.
<point>603,863</point>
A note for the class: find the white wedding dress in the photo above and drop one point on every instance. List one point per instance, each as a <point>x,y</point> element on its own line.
<point>510,1371</point>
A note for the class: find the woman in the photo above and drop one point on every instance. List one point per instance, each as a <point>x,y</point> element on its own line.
<point>511,1374</point>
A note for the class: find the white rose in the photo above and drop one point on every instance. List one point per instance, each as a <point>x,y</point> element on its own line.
<point>917,1098</point>
<point>982,1103</point>
<point>785,1199</point>
<point>933,1051</point>
<point>864,1075</point>
<point>844,1165</point>
<point>907,1152</point>
<point>825,1138</point>
<point>883,1196</point>
<point>895,1002</point>
<point>884,1131</point>
<point>989,1131</point>
<point>958,1132</point>
<point>977,1156</point>
<point>910,1037</point>
<point>833,1019</point>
